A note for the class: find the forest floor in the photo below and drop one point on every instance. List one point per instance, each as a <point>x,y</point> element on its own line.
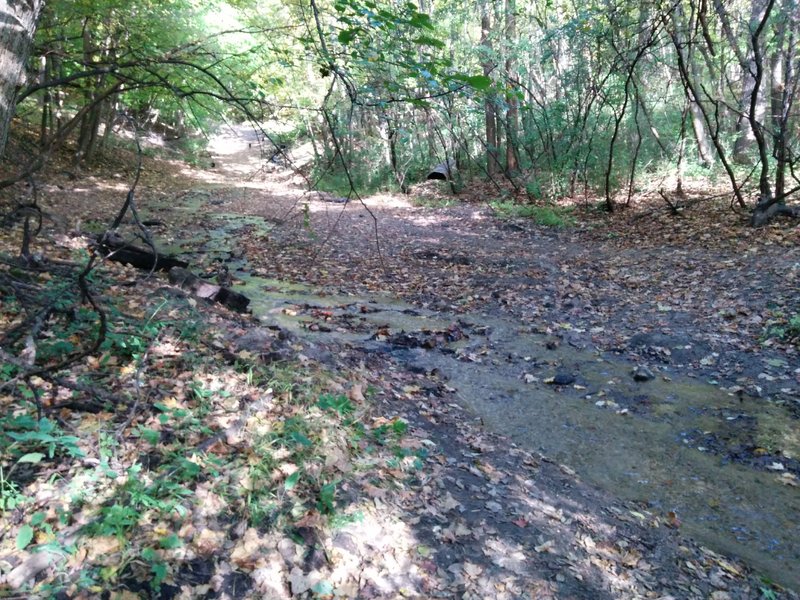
<point>428,399</point>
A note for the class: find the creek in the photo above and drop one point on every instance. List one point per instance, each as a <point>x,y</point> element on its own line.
<point>664,442</point>
<point>692,451</point>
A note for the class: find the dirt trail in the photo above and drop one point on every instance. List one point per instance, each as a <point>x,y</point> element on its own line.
<point>537,334</point>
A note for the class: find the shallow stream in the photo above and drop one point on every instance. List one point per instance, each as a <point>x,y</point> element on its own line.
<point>669,443</point>
<point>714,462</point>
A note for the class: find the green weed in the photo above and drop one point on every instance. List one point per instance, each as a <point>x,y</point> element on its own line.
<point>783,328</point>
<point>547,216</point>
<point>31,436</point>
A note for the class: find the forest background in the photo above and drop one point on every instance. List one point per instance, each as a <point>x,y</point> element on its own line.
<point>135,456</point>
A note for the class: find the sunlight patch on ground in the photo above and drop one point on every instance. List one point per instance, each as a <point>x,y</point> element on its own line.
<point>111,187</point>
<point>429,220</point>
<point>229,143</point>
<point>389,201</point>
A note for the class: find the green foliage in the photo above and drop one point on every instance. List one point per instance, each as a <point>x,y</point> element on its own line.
<point>390,432</point>
<point>367,178</point>
<point>115,520</point>
<point>784,328</point>
<point>10,495</point>
<point>24,437</point>
<point>24,536</point>
<point>327,498</point>
<point>548,216</point>
<point>340,404</point>
<point>158,568</point>
<point>392,47</point>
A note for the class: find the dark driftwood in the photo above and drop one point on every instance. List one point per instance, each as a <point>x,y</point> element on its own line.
<point>443,171</point>
<point>186,280</point>
<point>141,258</point>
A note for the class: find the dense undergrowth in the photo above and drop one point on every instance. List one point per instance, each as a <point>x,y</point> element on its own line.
<point>169,444</point>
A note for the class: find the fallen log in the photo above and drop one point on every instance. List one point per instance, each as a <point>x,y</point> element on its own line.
<point>186,280</point>
<point>443,171</point>
<point>117,250</point>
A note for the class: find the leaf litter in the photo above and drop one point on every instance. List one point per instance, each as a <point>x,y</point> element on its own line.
<point>182,462</point>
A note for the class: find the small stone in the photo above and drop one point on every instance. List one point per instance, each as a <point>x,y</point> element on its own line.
<point>563,378</point>
<point>642,373</point>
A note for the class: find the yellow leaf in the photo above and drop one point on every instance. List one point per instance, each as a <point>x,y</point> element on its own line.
<point>729,567</point>
<point>128,369</point>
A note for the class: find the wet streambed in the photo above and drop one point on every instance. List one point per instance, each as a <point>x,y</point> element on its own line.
<point>721,462</point>
<point>676,444</point>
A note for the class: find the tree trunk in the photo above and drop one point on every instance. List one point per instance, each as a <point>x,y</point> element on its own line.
<point>95,118</point>
<point>46,102</point>
<point>685,47</point>
<point>490,114</point>
<point>704,149</point>
<point>16,38</point>
<point>781,67</point>
<point>746,138</point>
<point>512,115</point>
<point>86,122</point>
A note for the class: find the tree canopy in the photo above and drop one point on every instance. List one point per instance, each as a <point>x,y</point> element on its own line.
<point>555,99</point>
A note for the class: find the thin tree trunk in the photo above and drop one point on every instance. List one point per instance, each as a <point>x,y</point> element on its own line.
<point>46,104</point>
<point>704,149</point>
<point>512,114</point>
<point>745,136</point>
<point>781,72</point>
<point>490,114</point>
<point>685,47</point>
<point>681,151</point>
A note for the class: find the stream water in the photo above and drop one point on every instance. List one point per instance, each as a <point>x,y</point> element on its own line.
<point>674,443</point>
<point>650,441</point>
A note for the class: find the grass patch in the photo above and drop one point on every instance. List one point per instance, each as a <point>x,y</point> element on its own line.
<point>431,202</point>
<point>547,216</point>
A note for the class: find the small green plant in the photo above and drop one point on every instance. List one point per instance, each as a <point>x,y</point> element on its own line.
<point>786,329</point>
<point>767,594</point>
<point>115,520</point>
<point>28,531</point>
<point>339,404</point>
<point>158,568</point>
<point>31,436</point>
<point>10,496</point>
<point>534,190</point>
<point>548,216</point>
<point>327,498</point>
<point>392,431</point>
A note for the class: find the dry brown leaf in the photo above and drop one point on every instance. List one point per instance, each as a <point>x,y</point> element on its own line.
<point>208,542</point>
<point>247,550</point>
